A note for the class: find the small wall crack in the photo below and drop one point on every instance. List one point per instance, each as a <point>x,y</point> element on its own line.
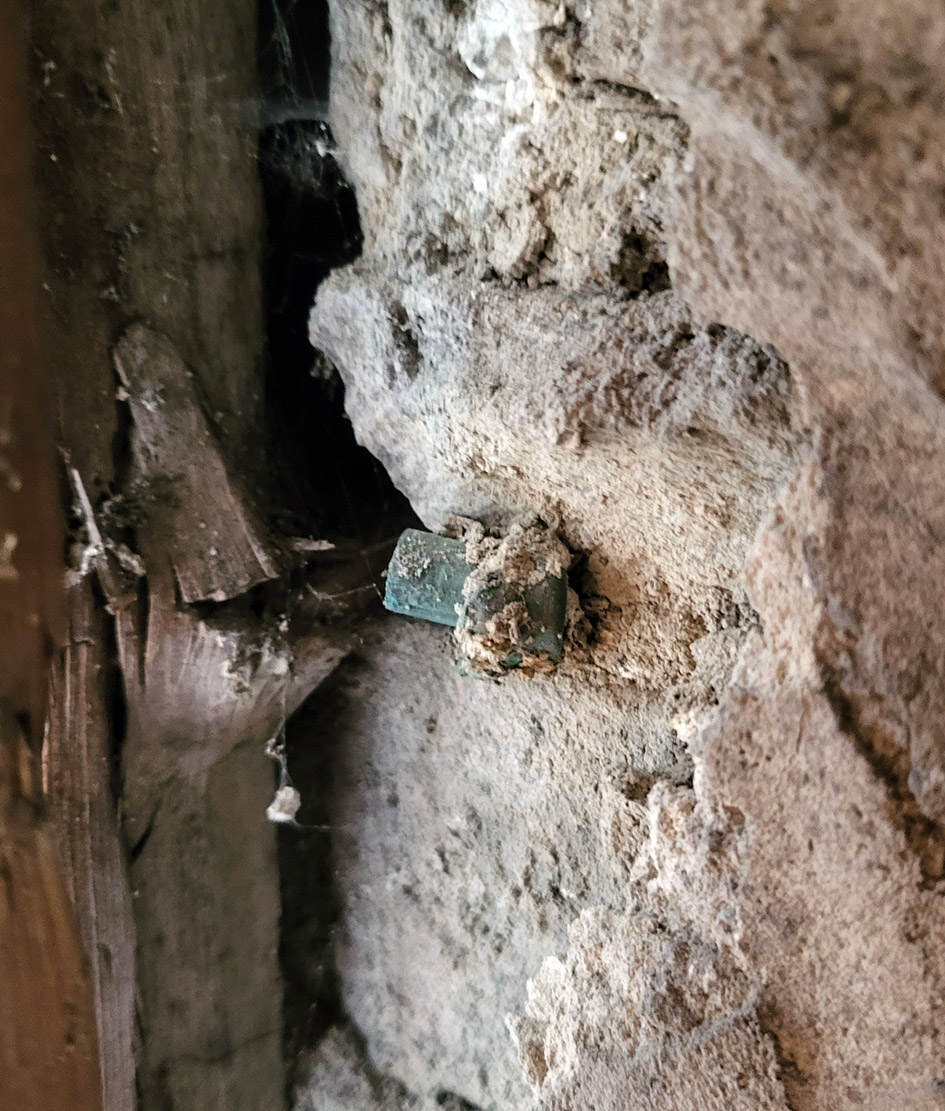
<point>793,1079</point>
<point>890,764</point>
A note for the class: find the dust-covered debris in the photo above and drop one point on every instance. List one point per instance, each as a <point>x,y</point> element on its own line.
<point>493,642</point>
<point>525,554</point>
<point>285,805</point>
<point>526,557</point>
<point>505,596</point>
<point>499,647</point>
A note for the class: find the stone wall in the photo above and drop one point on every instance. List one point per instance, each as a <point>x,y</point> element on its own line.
<point>668,277</point>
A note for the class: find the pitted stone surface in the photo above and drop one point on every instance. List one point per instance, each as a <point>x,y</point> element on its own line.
<point>670,278</point>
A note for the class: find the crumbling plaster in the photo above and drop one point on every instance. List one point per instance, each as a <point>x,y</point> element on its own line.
<point>668,276</point>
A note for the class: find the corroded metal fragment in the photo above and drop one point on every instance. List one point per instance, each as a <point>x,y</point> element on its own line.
<point>431,577</point>
<point>426,577</point>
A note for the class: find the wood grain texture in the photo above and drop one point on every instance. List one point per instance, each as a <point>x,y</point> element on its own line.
<point>48,1054</point>
<point>152,212</point>
<point>205,687</point>
<point>78,783</point>
<point>153,217</point>
<point>30,522</point>
<point>203,695</point>
<point>203,527</point>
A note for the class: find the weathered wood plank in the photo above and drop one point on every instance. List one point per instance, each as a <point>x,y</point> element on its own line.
<point>200,523</point>
<point>148,157</point>
<point>152,207</point>
<point>78,777</point>
<point>202,699</point>
<point>48,1053</point>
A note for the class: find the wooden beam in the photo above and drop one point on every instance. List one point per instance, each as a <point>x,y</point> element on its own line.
<point>78,777</point>
<point>48,1056</point>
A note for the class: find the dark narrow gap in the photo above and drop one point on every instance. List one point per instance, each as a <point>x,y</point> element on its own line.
<point>324,486</point>
<point>114,697</point>
<point>310,905</point>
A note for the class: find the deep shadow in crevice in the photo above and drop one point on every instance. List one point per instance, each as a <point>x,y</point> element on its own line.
<point>323,484</point>
<point>310,906</point>
<point>640,266</point>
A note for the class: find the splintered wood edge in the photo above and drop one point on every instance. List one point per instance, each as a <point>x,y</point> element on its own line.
<point>214,542</point>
